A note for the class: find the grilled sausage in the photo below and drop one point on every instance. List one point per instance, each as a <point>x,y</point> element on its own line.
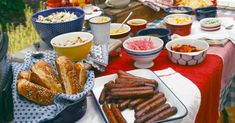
<point>131,89</point>
<point>132,94</point>
<point>151,114</point>
<point>109,114</point>
<point>163,115</point>
<point>117,114</point>
<point>112,85</point>
<point>135,80</point>
<point>136,102</point>
<point>155,97</point>
<point>150,106</point>
<point>102,96</point>
<point>124,104</point>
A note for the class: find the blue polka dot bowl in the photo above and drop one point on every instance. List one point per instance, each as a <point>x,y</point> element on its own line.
<point>187,58</point>
<point>47,31</point>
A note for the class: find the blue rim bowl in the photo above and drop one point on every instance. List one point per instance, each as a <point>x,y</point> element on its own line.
<point>47,31</point>
<point>188,10</point>
<point>161,33</point>
<point>205,12</point>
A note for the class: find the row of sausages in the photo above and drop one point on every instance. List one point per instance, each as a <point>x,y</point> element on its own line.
<point>140,94</point>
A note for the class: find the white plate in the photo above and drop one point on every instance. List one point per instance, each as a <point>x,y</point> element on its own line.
<point>128,114</point>
<point>94,13</point>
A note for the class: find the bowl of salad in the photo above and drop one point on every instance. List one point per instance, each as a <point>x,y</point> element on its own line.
<point>74,45</point>
<point>52,22</point>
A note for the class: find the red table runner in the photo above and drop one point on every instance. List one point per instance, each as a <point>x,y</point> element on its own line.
<point>206,76</point>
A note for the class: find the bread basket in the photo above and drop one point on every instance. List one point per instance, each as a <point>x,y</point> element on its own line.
<point>66,108</point>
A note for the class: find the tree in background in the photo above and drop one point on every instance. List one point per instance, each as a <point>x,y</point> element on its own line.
<point>11,11</point>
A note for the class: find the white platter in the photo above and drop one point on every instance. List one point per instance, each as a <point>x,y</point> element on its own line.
<point>128,114</point>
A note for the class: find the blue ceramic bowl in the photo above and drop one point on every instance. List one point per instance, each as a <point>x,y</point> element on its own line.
<point>178,10</point>
<point>161,33</point>
<point>206,12</point>
<point>47,31</point>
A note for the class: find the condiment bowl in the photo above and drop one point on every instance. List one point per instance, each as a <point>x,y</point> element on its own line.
<point>178,10</point>
<point>121,33</point>
<point>183,28</point>
<point>137,24</point>
<point>187,58</point>
<point>47,31</point>
<point>161,33</point>
<point>206,12</point>
<point>75,52</point>
<point>210,24</point>
<point>144,57</point>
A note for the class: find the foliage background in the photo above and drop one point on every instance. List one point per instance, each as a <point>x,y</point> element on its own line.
<point>12,11</point>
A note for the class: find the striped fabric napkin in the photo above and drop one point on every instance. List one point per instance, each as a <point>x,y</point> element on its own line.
<point>157,4</point>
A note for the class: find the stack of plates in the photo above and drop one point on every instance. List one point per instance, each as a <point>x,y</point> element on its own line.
<point>210,24</point>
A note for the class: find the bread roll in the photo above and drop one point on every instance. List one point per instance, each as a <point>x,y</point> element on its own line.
<point>81,73</point>
<point>24,75</point>
<point>44,75</point>
<point>35,93</point>
<point>68,75</point>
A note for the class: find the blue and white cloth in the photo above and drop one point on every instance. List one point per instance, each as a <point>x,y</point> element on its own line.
<point>27,111</point>
<point>227,97</point>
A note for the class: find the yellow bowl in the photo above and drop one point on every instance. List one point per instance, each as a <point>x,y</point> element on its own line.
<point>74,52</point>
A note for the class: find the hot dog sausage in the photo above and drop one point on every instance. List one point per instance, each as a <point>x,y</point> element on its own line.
<point>136,102</point>
<point>131,89</point>
<point>134,80</point>
<point>117,114</point>
<point>151,114</point>
<point>112,85</point>
<point>155,97</point>
<point>124,104</point>
<point>150,106</point>
<point>102,96</point>
<point>109,114</point>
<point>121,72</point>
<point>132,94</point>
<point>163,115</point>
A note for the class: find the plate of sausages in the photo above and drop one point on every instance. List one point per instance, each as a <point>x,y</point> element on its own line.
<point>137,96</point>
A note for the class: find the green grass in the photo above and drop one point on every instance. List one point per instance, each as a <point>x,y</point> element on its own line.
<point>23,35</point>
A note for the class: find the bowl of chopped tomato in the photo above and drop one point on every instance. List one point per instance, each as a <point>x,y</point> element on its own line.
<point>187,51</point>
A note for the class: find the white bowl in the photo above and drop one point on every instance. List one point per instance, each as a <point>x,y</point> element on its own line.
<point>115,26</point>
<point>191,58</point>
<point>210,22</point>
<point>144,58</point>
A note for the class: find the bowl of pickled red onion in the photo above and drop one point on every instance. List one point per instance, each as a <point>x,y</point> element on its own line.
<point>143,49</point>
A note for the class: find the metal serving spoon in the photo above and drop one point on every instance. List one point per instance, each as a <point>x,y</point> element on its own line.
<point>124,21</point>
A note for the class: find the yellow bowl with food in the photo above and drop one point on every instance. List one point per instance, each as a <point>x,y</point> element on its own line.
<point>75,45</point>
<point>117,33</point>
